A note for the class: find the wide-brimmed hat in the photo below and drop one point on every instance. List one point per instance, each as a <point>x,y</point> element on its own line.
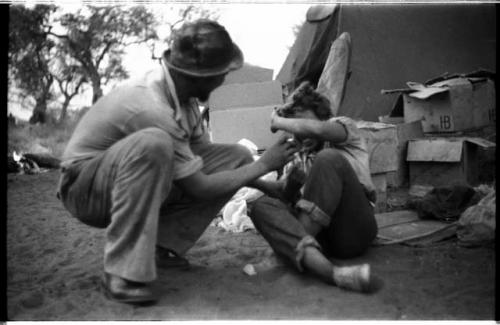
<point>202,49</point>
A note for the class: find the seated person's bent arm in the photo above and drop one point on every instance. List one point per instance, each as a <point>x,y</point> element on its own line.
<point>332,131</point>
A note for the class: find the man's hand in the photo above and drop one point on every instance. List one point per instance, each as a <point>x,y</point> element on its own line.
<point>278,154</point>
<point>274,121</point>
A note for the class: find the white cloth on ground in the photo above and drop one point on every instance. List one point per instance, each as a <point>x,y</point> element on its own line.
<point>235,213</point>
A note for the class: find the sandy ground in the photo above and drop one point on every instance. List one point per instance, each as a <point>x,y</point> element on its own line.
<point>54,265</point>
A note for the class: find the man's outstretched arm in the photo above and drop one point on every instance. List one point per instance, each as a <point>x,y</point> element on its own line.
<point>203,186</point>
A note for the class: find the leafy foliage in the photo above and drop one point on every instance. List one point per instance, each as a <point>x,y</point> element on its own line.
<point>69,77</point>
<point>54,53</point>
<point>96,38</point>
<point>30,52</point>
<point>180,15</point>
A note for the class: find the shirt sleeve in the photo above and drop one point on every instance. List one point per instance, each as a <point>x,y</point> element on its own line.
<point>185,162</point>
<point>353,135</point>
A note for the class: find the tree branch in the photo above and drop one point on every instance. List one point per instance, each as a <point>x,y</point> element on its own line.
<point>183,18</point>
<point>101,56</point>
<point>105,80</point>
<point>135,42</point>
<point>60,84</point>
<point>57,35</point>
<point>80,83</point>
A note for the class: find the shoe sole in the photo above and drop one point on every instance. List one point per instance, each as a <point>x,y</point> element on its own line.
<point>172,260</point>
<point>129,300</point>
<point>173,263</point>
<point>174,266</point>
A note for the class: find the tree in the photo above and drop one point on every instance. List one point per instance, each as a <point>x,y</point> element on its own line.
<point>96,37</point>
<point>178,16</point>
<point>70,78</point>
<point>30,52</point>
<point>51,53</point>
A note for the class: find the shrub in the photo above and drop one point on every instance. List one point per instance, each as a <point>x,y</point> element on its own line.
<point>50,137</point>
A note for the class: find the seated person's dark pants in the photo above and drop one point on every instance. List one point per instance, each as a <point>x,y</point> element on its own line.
<point>349,225</point>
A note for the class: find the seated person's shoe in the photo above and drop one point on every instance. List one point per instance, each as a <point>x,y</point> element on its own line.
<point>122,290</point>
<point>355,277</point>
<point>167,259</point>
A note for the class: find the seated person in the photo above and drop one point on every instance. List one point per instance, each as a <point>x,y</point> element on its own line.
<point>332,213</point>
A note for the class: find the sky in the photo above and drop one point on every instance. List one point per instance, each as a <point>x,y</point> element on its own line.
<point>263,31</point>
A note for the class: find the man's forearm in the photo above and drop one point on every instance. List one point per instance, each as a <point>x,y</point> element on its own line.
<point>210,186</point>
<point>204,186</point>
<point>232,180</point>
<point>258,184</point>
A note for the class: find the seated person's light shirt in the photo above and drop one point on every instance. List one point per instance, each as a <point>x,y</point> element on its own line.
<point>354,149</point>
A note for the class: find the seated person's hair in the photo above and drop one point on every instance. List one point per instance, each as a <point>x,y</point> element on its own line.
<point>304,97</point>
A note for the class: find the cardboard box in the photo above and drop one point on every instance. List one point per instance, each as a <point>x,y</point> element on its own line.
<point>443,161</point>
<point>252,123</point>
<point>381,140</point>
<point>452,105</point>
<point>387,145</point>
<point>404,133</point>
<point>249,73</point>
<point>254,94</point>
<point>240,111</point>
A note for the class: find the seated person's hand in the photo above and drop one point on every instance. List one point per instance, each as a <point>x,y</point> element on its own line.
<point>276,189</point>
<point>274,118</point>
<point>293,183</point>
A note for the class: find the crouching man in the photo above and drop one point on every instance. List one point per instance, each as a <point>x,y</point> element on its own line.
<point>140,163</point>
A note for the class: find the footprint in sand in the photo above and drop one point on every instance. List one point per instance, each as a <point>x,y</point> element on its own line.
<point>33,300</point>
<point>77,242</point>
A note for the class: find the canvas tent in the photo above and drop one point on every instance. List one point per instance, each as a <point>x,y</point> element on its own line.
<point>392,44</point>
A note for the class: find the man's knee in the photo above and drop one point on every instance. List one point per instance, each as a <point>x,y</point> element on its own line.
<point>240,154</point>
<point>155,145</point>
